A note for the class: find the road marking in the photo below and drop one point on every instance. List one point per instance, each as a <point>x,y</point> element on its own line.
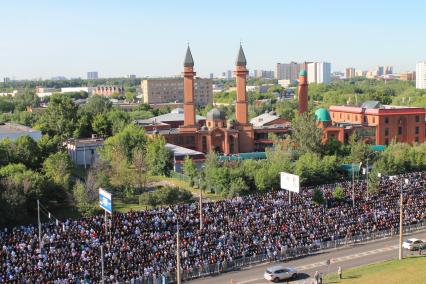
<point>333,260</point>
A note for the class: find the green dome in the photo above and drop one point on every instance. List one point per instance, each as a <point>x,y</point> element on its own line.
<point>322,115</point>
<point>303,73</point>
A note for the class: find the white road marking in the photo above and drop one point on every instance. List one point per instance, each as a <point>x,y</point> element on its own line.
<point>323,263</point>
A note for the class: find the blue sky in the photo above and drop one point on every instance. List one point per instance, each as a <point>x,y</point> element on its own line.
<point>148,38</point>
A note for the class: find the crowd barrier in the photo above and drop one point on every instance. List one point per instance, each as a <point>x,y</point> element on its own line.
<point>225,266</point>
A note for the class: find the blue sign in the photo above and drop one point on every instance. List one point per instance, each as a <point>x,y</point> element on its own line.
<point>105,200</point>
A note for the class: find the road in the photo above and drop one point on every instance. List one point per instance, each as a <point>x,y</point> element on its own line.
<point>347,257</point>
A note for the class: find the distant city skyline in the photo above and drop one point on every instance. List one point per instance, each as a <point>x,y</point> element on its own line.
<point>47,39</point>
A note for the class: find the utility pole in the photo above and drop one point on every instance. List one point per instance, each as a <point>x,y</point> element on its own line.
<point>367,178</point>
<point>102,264</point>
<point>39,224</point>
<point>353,185</point>
<point>177,254</point>
<point>201,207</point>
<point>401,223</point>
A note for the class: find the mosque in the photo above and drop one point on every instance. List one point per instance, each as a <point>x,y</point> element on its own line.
<point>215,132</point>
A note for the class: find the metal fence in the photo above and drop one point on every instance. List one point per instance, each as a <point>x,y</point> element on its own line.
<point>289,254</point>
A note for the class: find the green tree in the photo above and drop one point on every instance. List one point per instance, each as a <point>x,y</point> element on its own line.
<point>123,143</point>
<point>101,125</point>
<point>139,164</point>
<point>27,151</point>
<point>84,202</point>
<point>58,167</point>
<point>189,169</point>
<point>118,119</point>
<point>60,116</point>
<point>97,105</point>
<point>314,169</point>
<point>306,135</point>
<point>48,145</point>
<point>238,187</point>
<point>158,157</point>
<point>359,149</point>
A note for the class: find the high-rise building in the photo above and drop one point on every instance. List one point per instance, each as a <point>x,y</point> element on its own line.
<point>211,76</point>
<point>319,72</point>
<point>380,71</point>
<point>92,75</point>
<point>388,70</point>
<point>265,74</point>
<point>360,73</point>
<point>407,76</point>
<point>287,71</point>
<point>229,74</point>
<point>6,80</point>
<point>350,72</point>
<point>131,76</point>
<point>421,75</point>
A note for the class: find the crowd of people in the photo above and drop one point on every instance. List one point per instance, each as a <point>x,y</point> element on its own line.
<point>138,244</point>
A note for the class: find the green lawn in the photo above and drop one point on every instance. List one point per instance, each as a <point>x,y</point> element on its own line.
<point>409,270</point>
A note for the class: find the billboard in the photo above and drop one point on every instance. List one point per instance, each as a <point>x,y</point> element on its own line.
<point>105,200</point>
<point>290,182</point>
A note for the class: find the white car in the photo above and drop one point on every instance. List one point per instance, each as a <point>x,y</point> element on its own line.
<point>279,272</point>
<point>413,244</point>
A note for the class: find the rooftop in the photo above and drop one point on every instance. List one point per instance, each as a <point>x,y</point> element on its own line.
<point>172,116</point>
<point>263,119</point>
<point>10,128</point>
<point>182,151</point>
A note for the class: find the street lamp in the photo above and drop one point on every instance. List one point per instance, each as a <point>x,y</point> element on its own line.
<point>367,170</point>
<point>401,208</point>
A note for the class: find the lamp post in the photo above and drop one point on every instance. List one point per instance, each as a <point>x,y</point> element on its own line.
<point>201,203</point>
<point>353,185</point>
<point>367,170</point>
<point>177,252</point>
<point>39,225</point>
<point>401,224</point>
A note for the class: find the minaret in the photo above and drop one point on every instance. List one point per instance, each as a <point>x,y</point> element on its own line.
<point>303,92</point>
<point>245,129</point>
<point>241,108</point>
<point>188,91</point>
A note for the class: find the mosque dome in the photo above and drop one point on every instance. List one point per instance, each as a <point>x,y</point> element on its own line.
<point>322,115</point>
<point>215,114</point>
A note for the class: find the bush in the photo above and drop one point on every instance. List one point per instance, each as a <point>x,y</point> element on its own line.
<point>165,196</point>
<point>318,196</point>
<point>338,193</point>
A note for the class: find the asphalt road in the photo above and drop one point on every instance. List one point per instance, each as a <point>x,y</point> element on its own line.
<point>346,257</point>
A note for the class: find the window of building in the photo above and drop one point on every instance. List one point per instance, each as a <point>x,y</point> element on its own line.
<point>417,130</point>
<point>374,119</point>
<point>386,119</point>
<point>386,131</point>
<point>204,144</point>
<point>400,130</point>
<point>417,139</point>
<point>386,141</point>
<point>417,118</point>
<point>365,119</point>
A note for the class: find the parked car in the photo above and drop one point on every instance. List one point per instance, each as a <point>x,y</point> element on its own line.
<point>413,244</point>
<point>279,272</point>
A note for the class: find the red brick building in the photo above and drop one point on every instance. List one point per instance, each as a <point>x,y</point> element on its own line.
<point>218,133</point>
<point>376,123</point>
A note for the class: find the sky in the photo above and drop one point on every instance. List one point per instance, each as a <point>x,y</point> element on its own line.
<point>42,39</point>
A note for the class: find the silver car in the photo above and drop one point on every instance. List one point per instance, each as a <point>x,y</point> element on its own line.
<point>279,272</point>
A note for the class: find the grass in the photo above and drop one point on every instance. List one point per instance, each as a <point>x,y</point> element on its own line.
<point>185,185</point>
<point>123,207</point>
<point>410,270</point>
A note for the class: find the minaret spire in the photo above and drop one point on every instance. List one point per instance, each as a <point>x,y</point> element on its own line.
<point>188,92</point>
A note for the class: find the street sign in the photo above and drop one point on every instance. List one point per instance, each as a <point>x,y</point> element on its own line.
<point>290,182</point>
<point>105,200</point>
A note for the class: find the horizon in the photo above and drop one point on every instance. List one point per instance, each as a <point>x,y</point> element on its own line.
<point>51,39</point>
